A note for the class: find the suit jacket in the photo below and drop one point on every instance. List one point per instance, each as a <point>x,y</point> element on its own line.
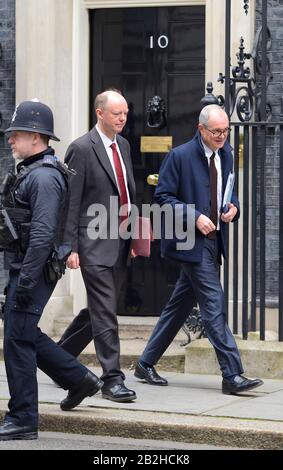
<point>184,179</point>
<point>94,183</point>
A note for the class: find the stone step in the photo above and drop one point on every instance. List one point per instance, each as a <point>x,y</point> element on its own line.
<point>173,359</point>
<point>130,327</point>
<point>60,324</point>
<point>262,359</point>
<point>134,333</point>
<point>135,327</point>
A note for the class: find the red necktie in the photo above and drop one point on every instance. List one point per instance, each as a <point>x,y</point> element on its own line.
<point>120,178</point>
<point>213,195</point>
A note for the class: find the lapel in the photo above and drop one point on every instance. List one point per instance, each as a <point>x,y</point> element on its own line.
<point>102,156</point>
<point>128,165</point>
<point>101,153</point>
<point>202,155</point>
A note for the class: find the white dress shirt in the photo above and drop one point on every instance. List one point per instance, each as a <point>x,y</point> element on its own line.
<point>208,153</point>
<point>107,144</point>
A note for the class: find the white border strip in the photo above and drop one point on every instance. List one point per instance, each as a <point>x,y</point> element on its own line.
<point>138,3</point>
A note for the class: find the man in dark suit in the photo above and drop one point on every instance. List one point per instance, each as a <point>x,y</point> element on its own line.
<point>104,176</point>
<point>196,174</point>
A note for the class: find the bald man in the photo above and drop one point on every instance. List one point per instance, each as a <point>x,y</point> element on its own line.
<point>104,173</point>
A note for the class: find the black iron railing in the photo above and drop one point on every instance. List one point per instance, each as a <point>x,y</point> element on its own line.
<point>253,133</point>
<point>251,141</point>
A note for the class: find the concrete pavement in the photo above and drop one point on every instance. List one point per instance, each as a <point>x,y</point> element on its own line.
<point>191,409</point>
<point>66,441</point>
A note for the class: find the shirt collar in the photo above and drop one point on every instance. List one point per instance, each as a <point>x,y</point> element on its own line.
<point>106,141</point>
<point>208,152</point>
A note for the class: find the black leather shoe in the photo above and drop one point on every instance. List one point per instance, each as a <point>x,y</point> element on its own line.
<point>11,432</point>
<point>239,384</point>
<point>149,374</point>
<point>119,393</point>
<point>88,387</point>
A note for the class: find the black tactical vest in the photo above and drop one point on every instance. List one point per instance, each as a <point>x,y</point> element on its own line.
<point>15,214</point>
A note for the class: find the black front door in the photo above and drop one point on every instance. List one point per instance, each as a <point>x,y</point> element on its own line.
<point>146,52</point>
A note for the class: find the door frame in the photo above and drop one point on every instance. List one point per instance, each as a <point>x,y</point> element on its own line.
<point>80,49</point>
<point>214,42</point>
<point>138,3</point>
<point>214,61</point>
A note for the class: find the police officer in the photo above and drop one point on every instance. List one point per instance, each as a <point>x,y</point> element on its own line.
<point>33,207</point>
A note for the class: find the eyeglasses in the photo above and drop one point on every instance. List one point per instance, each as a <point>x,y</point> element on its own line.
<point>218,132</point>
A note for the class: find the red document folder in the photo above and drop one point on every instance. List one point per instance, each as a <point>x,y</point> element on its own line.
<point>142,237</point>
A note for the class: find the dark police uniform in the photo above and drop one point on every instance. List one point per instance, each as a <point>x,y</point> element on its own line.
<point>25,346</point>
<point>38,191</point>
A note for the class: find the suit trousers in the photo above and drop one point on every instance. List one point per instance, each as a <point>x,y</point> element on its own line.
<point>198,282</point>
<point>78,335</point>
<point>26,347</point>
<point>103,285</point>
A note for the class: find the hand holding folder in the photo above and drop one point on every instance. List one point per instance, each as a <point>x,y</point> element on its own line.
<point>228,192</point>
<point>142,237</point>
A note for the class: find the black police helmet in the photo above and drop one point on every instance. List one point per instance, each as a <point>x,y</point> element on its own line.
<point>33,116</point>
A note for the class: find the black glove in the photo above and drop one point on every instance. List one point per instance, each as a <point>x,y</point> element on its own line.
<point>23,296</point>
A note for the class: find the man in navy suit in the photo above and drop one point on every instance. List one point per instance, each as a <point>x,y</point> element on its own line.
<point>196,173</point>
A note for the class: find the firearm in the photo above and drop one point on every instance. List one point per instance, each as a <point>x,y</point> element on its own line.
<point>8,233</point>
<point>2,305</point>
